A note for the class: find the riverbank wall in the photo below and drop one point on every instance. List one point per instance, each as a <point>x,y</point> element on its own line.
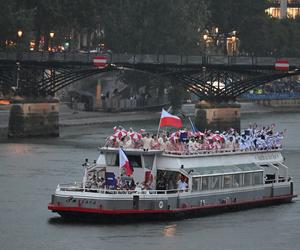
<point>67,117</point>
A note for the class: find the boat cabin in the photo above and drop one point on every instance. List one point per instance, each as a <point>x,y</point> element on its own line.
<point>224,177</point>
<point>142,162</point>
<point>156,170</point>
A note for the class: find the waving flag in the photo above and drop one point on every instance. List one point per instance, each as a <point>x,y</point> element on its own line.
<point>167,119</point>
<point>124,163</point>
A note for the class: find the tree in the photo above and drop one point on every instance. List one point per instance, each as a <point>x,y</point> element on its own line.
<point>247,17</point>
<point>153,26</point>
<point>12,18</point>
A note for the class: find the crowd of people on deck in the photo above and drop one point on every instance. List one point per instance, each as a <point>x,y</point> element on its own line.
<point>189,142</point>
<point>93,182</point>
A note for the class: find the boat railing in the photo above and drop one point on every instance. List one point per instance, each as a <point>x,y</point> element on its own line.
<point>219,151</point>
<point>77,188</point>
<point>280,179</point>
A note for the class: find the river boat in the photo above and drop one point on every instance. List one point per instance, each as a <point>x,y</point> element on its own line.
<point>215,182</point>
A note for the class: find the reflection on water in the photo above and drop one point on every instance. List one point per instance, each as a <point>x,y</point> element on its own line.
<point>20,149</point>
<point>31,169</point>
<point>169,231</point>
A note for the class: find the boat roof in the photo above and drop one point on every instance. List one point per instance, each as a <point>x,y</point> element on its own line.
<point>228,169</point>
<point>175,162</point>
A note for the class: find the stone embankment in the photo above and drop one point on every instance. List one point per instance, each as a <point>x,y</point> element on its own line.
<point>69,118</point>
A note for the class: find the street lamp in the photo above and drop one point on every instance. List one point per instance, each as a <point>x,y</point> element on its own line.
<point>20,33</point>
<point>205,37</point>
<point>51,34</point>
<point>19,36</point>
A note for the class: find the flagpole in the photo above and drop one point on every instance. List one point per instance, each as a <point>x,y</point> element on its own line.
<point>158,126</point>
<point>159,122</point>
<point>120,171</point>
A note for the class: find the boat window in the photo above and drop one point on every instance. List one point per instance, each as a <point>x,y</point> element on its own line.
<point>264,165</point>
<point>247,179</point>
<point>205,183</point>
<point>237,180</point>
<point>111,159</point>
<point>216,182</point>
<point>196,183</point>
<point>257,178</point>
<point>135,161</point>
<point>148,161</point>
<point>101,159</point>
<point>227,181</point>
<point>167,179</point>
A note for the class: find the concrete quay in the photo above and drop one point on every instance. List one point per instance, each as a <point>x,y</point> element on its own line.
<point>67,117</point>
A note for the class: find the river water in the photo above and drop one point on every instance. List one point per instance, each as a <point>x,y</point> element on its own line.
<point>30,169</point>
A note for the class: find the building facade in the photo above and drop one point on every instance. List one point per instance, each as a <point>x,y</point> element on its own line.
<point>284,8</point>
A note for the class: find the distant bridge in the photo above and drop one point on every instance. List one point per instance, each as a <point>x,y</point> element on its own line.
<point>212,78</point>
<point>76,58</point>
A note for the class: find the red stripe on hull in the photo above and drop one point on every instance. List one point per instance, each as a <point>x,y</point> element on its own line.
<point>237,205</point>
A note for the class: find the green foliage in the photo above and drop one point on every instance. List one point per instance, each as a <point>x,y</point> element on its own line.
<point>259,34</point>
<point>13,18</point>
<point>151,26</point>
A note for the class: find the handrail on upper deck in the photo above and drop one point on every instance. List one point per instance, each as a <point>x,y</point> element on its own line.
<point>117,191</point>
<point>220,151</point>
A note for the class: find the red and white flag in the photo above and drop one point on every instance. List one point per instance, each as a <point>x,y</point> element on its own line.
<point>167,119</point>
<point>124,163</point>
<point>282,65</point>
<point>100,62</point>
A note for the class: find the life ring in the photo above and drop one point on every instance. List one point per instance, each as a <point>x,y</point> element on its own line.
<point>161,204</point>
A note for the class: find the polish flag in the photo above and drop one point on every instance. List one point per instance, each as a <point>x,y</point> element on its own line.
<point>124,163</point>
<point>167,119</point>
<point>282,65</point>
<point>100,62</point>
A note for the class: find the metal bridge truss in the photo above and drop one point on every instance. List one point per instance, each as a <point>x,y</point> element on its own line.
<point>7,79</point>
<point>216,83</point>
<point>42,79</point>
<point>223,85</point>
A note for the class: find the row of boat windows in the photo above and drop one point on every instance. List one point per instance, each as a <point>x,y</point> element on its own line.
<point>227,181</point>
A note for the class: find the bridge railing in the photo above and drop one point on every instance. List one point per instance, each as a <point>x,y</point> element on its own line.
<point>190,60</point>
<point>87,58</point>
<point>42,56</point>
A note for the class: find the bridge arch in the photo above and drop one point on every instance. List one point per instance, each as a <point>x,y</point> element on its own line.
<point>217,83</point>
